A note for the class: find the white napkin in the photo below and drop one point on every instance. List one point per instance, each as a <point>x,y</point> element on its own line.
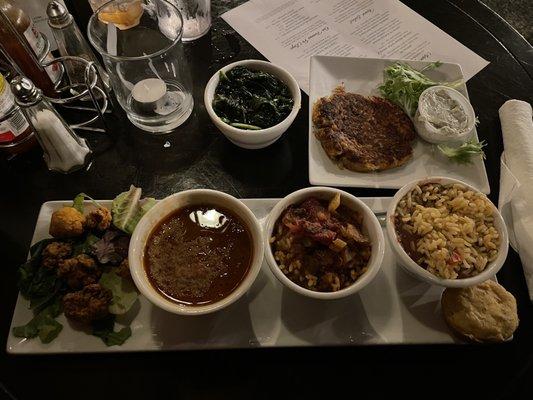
<point>516,181</point>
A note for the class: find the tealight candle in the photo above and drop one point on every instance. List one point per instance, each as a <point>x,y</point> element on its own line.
<point>149,90</point>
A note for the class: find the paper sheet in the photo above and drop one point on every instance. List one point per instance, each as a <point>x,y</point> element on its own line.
<point>289,32</point>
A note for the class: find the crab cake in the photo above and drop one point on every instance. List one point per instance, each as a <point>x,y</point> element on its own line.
<point>363,133</point>
<point>483,313</point>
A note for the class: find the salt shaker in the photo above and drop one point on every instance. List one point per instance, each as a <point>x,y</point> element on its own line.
<point>64,151</point>
<point>70,42</point>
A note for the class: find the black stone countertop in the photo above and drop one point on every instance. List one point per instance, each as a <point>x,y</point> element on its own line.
<point>200,157</point>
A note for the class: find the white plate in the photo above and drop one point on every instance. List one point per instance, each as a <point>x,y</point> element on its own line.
<point>395,308</point>
<point>363,76</point>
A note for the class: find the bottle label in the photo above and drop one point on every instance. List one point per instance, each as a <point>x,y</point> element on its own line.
<point>38,45</point>
<point>7,100</point>
<point>13,127</point>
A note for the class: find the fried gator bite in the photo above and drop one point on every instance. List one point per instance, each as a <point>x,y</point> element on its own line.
<point>87,305</point>
<point>66,223</point>
<point>79,271</point>
<point>99,219</point>
<point>54,252</point>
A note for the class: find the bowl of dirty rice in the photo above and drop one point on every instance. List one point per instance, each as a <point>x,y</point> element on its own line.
<point>323,243</point>
<point>446,232</point>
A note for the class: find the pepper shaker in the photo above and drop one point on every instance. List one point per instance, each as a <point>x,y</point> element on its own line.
<point>70,42</point>
<point>64,151</point>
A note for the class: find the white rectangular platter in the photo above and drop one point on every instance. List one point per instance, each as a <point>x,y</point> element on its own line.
<point>363,76</point>
<point>394,309</point>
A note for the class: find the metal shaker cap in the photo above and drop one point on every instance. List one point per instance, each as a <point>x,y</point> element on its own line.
<point>58,15</point>
<point>25,92</point>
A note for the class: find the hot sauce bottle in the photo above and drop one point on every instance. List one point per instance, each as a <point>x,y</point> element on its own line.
<point>17,33</point>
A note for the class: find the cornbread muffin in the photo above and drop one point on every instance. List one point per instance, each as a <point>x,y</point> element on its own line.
<point>482,313</point>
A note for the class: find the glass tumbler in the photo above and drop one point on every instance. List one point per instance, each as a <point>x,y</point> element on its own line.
<point>140,43</point>
<point>196,17</point>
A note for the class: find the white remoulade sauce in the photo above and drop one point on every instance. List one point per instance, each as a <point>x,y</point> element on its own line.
<point>444,115</point>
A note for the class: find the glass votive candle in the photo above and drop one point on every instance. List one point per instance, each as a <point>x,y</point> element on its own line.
<point>140,43</point>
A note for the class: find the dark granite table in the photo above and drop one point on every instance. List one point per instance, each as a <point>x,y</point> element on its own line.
<point>199,156</point>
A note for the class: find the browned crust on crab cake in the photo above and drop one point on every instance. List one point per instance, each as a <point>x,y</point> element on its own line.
<point>363,133</point>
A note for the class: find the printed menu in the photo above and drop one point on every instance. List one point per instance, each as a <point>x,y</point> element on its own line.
<point>289,32</point>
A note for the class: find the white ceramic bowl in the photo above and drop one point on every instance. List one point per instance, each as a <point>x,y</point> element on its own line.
<point>421,273</point>
<point>428,131</point>
<point>371,228</point>
<point>254,139</point>
<point>165,207</point>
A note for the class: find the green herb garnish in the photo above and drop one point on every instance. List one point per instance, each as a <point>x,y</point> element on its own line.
<point>464,153</point>
<point>85,247</point>
<point>403,84</point>
<point>249,99</point>
<point>105,330</point>
<point>43,324</point>
<point>35,282</point>
<point>77,203</point>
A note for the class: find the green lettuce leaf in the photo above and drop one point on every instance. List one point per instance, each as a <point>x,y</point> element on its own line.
<point>43,324</point>
<point>128,208</point>
<point>123,290</point>
<point>105,330</point>
<point>85,247</point>
<point>36,282</point>
<point>78,202</point>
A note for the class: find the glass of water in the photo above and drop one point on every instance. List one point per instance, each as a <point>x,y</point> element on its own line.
<point>140,43</point>
<point>196,17</point>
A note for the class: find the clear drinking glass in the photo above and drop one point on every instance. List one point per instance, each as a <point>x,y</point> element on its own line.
<point>196,17</point>
<point>140,43</point>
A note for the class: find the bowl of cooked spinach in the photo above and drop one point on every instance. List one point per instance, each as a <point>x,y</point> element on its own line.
<point>252,102</point>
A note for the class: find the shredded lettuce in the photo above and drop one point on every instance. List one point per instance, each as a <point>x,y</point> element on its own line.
<point>123,290</point>
<point>128,208</point>
<point>403,85</point>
